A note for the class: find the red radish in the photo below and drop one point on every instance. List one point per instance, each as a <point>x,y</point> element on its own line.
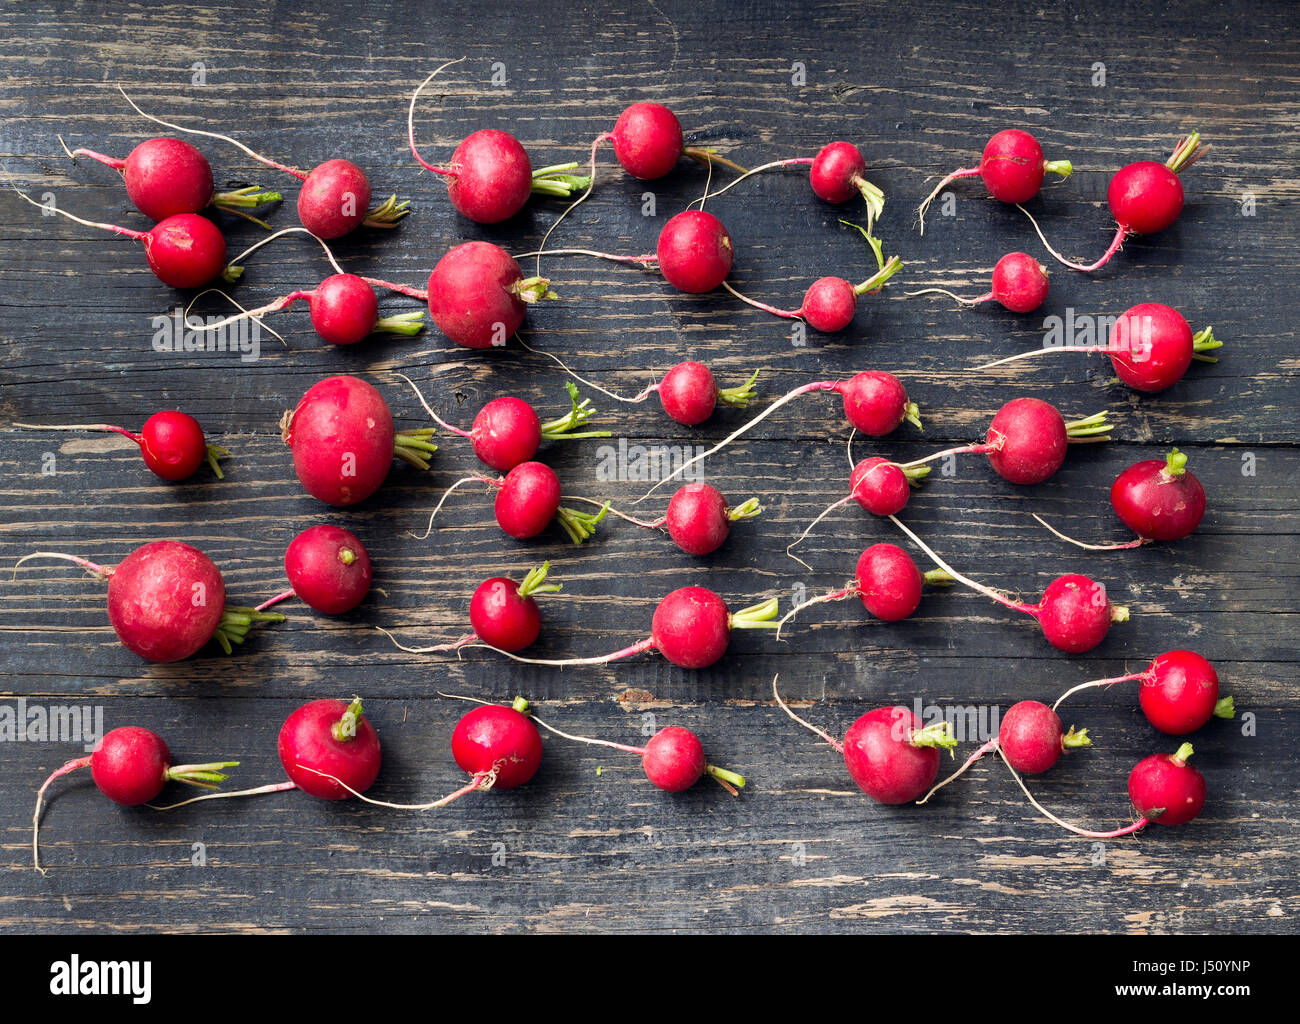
<point>166,600</point>
<point>1179,692</point>
<point>830,302</point>
<point>1144,198</point>
<point>502,613</point>
<point>329,738</point>
<point>673,759</point>
<point>1165,789</point>
<point>343,442</point>
<point>183,251</point>
<point>1158,499</point>
<point>172,443</point>
<point>889,752</point>
<point>165,177</point>
<point>1012,167</point>
<point>1020,284</point>
<point>699,518</point>
<point>328,569</point>
<point>691,628</point>
<point>875,402</point>
<point>1030,740</point>
<point>694,252</point>
<point>507,431</point>
<point>1027,440</point>
<point>1074,612</point>
<point>1151,347</point>
<point>334,197</point>
<point>130,766</point>
<point>689,393</point>
<point>878,485</point>
<point>887,581</point>
<point>648,142</point>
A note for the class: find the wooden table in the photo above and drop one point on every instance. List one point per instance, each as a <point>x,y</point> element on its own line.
<point>589,845</point>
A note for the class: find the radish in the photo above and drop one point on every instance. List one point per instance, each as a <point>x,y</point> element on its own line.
<point>166,600</point>
<point>878,485</point>
<point>1179,692</point>
<point>130,766</point>
<point>673,759</point>
<point>699,518</point>
<point>183,251</point>
<point>498,746</point>
<point>329,738</point>
<point>1151,347</point>
<point>891,755</point>
<point>507,431</point>
<point>165,177</point>
<point>1158,499</point>
<point>490,177</point>
<point>502,613</point>
<point>1012,167</point>
<point>648,142</point>
<point>1020,284</point>
<point>328,569</point>
<point>334,196</point>
<point>1030,740</point>
<point>172,443</point>
<point>691,627</point>
<point>1165,789</point>
<point>875,402</point>
<point>1074,612</point>
<point>1144,198</point>
<point>887,581</point>
<point>830,302</point>
<point>1027,440</point>
<point>342,438</point>
<point>528,499</point>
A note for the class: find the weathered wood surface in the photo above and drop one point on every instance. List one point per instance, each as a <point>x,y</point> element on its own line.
<point>920,88</point>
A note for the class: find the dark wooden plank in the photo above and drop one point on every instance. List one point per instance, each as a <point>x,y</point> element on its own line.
<point>920,90</point>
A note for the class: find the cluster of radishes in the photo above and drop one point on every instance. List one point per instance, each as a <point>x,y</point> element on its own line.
<point>166,600</point>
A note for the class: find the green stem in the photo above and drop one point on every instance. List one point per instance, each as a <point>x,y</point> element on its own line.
<point>875,200</point>
<point>738,395</point>
<point>578,416</point>
<point>535,582</point>
<point>1094,426</point>
<point>937,735</point>
<point>580,525</point>
<point>235,623</point>
<point>1182,754</point>
<point>745,510</point>
<point>877,246</point>
<point>938,578</point>
<point>1073,740</point>
<point>345,728</point>
<point>215,452</point>
<point>915,474</point>
<point>756,616</point>
<point>1203,342</point>
<point>534,289</point>
<point>727,778</point>
<point>912,414</point>
<point>387,213</point>
<point>232,273</point>
<point>1175,463</point>
<point>521,705</point>
<point>554,181</point>
<point>1186,153</point>
<point>877,280</point>
<point>413,445</point>
<point>1225,708</point>
<point>247,198</point>
<point>409,324</point>
<point>204,776</point>
<point>1063,168</point>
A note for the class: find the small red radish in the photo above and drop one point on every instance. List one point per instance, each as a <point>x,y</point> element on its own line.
<point>1165,789</point>
<point>343,442</point>
<point>1158,499</point>
<point>183,250</point>
<point>830,302</point>
<point>167,176</point>
<point>889,752</point>
<point>171,442</point>
<point>335,195</point>
<point>673,759</point>
<point>689,393</point>
<point>166,600</point>
<point>503,614</point>
<point>875,402</point>
<point>648,142</point>
<point>130,766</point>
<point>1020,284</point>
<point>1074,612</point>
<point>699,518</point>
<point>1151,347</point>
<point>328,569</point>
<point>1144,198</point>
<point>691,627</point>
<point>1012,167</point>
<point>329,749</point>
<point>1030,739</point>
<point>887,581</point>
<point>1179,692</point>
<point>694,252</point>
<point>507,431</point>
<point>878,485</point>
